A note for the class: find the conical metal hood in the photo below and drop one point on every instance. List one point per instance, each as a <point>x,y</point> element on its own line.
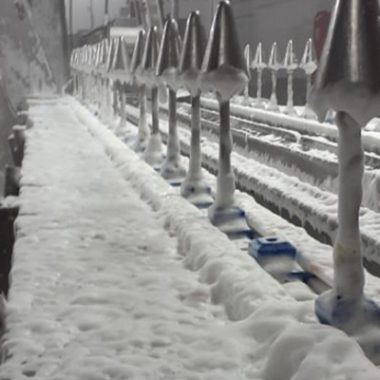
<point>290,60</point>
<point>273,62</point>
<point>258,62</point>
<point>102,56</point>
<point>192,53</point>
<point>169,55</point>
<point>308,62</point>
<point>138,51</point>
<point>97,54</point>
<point>348,78</point>
<point>120,64</point>
<point>147,71</point>
<point>110,54</point>
<point>223,67</point>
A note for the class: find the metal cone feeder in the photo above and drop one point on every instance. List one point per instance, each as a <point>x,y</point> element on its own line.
<point>121,73</point>
<point>259,65</point>
<point>309,66</point>
<point>101,68</point>
<point>147,74</point>
<point>273,66</point>
<point>224,70</point>
<point>167,71</point>
<point>107,84</point>
<point>120,66</point>
<point>194,187</point>
<point>348,82</point>
<point>143,129</point>
<point>290,65</point>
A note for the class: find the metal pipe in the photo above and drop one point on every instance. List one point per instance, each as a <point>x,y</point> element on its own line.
<point>155,114</point>
<point>143,131</point>
<point>173,150</point>
<point>290,102</point>
<point>195,164</point>
<point>349,274</point>
<point>225,181</point>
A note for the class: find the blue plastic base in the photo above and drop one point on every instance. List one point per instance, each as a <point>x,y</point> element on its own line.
<point>231,221</point>
<point>192,190</point>
<point>265,247</point>
<point>276,256</point>
<point>221,215</point>
<point>357,318</point>
<point>199,195</point>
<point>173,174</point>
<point>347,315</point>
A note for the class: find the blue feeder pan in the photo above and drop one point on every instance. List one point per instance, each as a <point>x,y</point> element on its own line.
<point>199,196</point>
<point>221,215</point>
<point>231,221</point>
<point>354,317</point>
<point>275,255</point>
<point>265,247</point>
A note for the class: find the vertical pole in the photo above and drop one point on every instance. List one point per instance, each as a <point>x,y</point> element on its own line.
<point>155,120</point>
<point>226,181</point>
<point>290,90</point>
<point>123,103</point>
<point>92,19</point>
<point>71,42</point>
<point>273,98</point>
<point>259,85</point>
<point>106,12</point>
<point>175,9</point>
<point>143,131</point>
<point>349,274</point>
<point>195,168</point>
<point>173,153</point>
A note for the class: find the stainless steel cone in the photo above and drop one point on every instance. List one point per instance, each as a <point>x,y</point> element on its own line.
<point>308,62</point>
<point>120,63</point>
<point>138,51</point>
<point>290,60</point>
<point>169,54</point>
<point>348,78</point>
<point>102,56</point>
<point>192,53</point>
<point>258,61</point>
<point>223,67</point>
<point>147,72</point>
<point>273,62</point>
<point>110,55</point>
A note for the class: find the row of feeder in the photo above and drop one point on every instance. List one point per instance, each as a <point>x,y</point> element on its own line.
<point>290,64</point>
<point>218,66</point>
<point>95,57</point>
<point>347,82</point>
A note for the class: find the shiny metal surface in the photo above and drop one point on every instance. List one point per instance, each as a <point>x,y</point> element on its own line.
<point>223,69</point>
<point>169,55</point>
<point>193,49</point>
<point>138,51</point>
<point>120,67</point>
<point>147,71</point>
<point>348,78</point>
<point>274,66</point>
<point>110,54</point>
